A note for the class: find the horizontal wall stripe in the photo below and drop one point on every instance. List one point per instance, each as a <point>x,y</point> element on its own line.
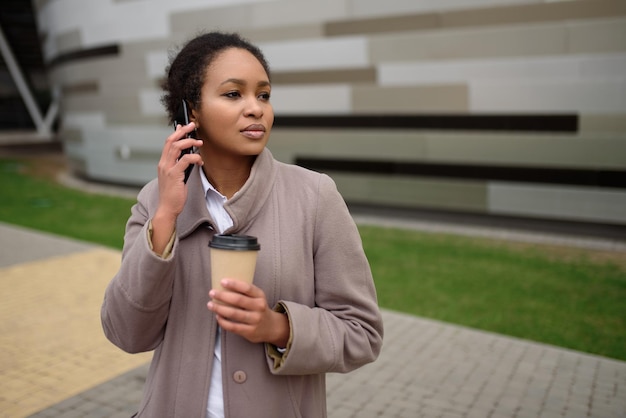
<point>98,52</point>
<point>483,16</point>
<point>511,123</point>
<point>577,177</point>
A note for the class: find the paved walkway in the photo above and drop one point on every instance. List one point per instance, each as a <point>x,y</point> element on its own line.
<point>55,362</point>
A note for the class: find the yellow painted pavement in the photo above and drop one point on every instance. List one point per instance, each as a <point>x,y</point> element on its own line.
<point>51,341</point>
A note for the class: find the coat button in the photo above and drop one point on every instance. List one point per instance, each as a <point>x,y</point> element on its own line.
<point>240,376</point>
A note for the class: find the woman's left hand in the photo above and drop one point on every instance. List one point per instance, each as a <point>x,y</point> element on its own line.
<point>242,308</point>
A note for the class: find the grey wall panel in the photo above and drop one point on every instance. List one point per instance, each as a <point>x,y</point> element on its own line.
<point>412,192</point>
<point>559,151</point>
<point>602,35</point>
<point>69,41</point>
<point>565,203</point>
<point>585,151</point>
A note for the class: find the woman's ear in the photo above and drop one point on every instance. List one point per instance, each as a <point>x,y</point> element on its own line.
<point>193,117</point>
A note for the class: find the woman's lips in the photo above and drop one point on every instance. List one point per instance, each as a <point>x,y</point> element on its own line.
<point>253,131</point>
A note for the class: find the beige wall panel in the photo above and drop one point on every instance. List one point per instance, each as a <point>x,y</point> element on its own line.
<point>534,13</point>
<point>412,192</point>
<point>597,36</point>
<point>124,117</point>
<point>558,202</point>
<point>368,8</point>
<point>112,75</point>
<point>407,100</point>
<point>384,24</point>
<point>77,72</point>
<point>470,43</point>
<point>87,87</point>
<point>81,103</point>
<point>268,34</point>
<point>214,18</point>
<point>602,123</point>
<point>483,16</point>
<point>136,51</point>
<point>357,75</point>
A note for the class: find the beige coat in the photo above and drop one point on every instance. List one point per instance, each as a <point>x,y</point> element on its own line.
<point>311,262</point>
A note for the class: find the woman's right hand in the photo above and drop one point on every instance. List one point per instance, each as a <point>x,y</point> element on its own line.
<point>172,188</point>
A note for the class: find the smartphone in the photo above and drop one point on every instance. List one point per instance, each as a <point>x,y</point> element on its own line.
<point>184,120</point>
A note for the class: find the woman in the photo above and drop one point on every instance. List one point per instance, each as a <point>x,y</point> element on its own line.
<point>312,308</point>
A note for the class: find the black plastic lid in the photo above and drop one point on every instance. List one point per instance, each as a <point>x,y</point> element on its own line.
<point>235,242</point>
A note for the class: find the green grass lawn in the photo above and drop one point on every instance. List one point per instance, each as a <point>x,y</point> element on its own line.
<point>36,201</point>
<point>567,297</point>
<point>558,296</point>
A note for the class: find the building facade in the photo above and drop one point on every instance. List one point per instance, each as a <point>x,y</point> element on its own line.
<point>499,107</point>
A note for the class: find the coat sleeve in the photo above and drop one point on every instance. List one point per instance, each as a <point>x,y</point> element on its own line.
<point>136,302</point>
<point>344,330</point>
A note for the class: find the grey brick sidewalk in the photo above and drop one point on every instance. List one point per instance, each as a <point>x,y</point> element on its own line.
<point>426,369</point>
<point>432,369</point>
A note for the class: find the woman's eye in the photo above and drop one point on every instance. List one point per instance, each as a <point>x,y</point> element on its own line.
<point>232,94</point>
<point>264,96</point>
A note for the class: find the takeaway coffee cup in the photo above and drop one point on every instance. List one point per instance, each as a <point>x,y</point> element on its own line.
<point>234,257</point>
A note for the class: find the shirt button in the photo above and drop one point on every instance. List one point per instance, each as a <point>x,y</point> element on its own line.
<point>240,376</point>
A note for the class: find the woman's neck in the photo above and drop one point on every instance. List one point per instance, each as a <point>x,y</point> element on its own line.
<point>227,177</point>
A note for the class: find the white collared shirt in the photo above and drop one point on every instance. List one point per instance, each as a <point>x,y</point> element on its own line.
<point>215,205</point>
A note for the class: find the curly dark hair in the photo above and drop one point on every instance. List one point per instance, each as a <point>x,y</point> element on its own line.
<point>187,69</point>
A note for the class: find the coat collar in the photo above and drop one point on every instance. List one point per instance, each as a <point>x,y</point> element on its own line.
<point>243,207</point>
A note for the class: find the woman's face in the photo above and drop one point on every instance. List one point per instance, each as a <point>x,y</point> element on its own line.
<point>235,115</point>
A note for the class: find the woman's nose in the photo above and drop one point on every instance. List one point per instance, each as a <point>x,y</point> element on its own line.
<point>253,108</point>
